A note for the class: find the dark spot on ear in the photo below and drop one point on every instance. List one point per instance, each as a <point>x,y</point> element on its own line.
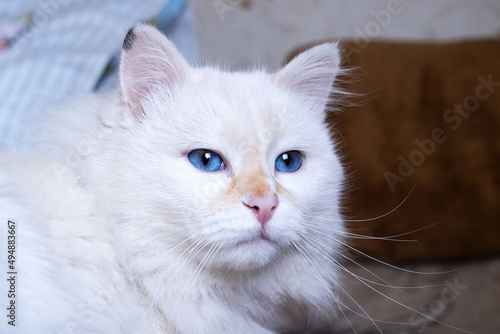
<point>129,39</point>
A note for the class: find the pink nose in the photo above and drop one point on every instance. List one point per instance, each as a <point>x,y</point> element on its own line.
<point>262,207</point>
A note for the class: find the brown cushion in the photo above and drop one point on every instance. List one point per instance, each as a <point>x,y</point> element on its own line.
<point>426,126</point>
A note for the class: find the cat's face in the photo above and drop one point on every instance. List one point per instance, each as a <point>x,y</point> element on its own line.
<point>233,170</point>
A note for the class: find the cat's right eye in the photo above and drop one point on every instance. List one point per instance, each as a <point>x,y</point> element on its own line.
<point>206,160</point>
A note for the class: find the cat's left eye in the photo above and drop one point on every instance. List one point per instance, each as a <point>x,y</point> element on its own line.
<point>206,160</point>
<point>288,162</point>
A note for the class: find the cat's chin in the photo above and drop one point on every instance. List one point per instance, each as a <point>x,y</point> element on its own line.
<point>249,254</point>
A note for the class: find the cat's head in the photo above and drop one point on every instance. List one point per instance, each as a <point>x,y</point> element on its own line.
<point>229,169</point>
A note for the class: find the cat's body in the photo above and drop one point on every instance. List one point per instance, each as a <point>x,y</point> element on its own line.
<point>119,231</point>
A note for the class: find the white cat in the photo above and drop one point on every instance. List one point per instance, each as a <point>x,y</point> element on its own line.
<point>188,201</point>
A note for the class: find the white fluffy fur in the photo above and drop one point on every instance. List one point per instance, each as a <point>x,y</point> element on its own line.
<point>119,233</point>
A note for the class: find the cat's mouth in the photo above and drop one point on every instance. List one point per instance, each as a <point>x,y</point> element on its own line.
<point>250,251</point>
<point>255,240</point>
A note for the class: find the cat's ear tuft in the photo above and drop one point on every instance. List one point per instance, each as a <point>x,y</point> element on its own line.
<point>149,62</point>
<point>312,72</point>
<point>129,39</point>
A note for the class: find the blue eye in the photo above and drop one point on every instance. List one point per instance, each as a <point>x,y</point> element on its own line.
<point>206,160</point>
<point>288,162</point>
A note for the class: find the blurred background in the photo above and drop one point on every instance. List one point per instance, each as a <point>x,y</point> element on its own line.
<point>240,33</point>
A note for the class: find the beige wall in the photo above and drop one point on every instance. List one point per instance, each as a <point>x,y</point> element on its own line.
<point>240,33</point>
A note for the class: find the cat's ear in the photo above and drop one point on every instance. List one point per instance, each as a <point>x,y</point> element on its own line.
<point>149,61</point>
<point>312,72</point>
